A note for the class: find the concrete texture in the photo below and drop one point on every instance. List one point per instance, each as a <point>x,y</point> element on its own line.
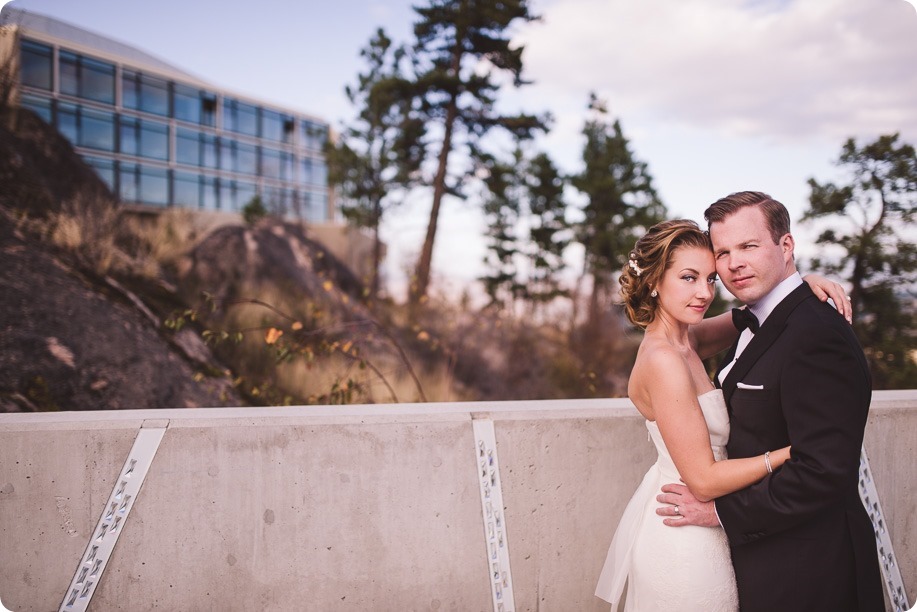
<point>351,508</point>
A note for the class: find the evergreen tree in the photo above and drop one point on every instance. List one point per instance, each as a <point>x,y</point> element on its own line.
<point>621,202</point>
<point>381,152</point>
<point>502,208</point>
<point>549,231</point>
<point>462,46</point>
<point>525,209</point>
<point>871,218</point>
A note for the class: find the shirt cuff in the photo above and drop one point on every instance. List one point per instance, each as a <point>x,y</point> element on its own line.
<point>717,514</point>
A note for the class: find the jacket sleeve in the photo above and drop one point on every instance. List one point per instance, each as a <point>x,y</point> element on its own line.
<point>824,392</point>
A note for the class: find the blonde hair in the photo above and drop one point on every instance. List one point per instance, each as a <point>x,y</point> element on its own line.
<point>651,257</point>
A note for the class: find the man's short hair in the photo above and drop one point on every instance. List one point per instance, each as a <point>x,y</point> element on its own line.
<point>776,214</point>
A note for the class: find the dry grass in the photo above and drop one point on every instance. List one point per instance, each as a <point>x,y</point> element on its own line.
<point>160,240</point>
<point>87,229</point>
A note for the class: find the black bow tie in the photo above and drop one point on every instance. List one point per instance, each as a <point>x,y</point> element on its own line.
<point>742,318</point>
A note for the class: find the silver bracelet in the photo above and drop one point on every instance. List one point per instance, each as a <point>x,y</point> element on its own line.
<point>767,462</point>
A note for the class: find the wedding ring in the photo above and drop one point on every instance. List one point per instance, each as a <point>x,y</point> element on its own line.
<point>677,511</point>
<point>848,298</point>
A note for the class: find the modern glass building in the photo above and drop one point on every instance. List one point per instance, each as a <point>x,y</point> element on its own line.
<point>161,137</point>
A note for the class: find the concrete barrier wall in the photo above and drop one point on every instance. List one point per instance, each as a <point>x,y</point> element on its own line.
<point>351,508</point>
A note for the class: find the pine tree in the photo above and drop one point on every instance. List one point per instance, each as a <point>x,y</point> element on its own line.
<point>621,201</point>
<point>502,208</point>
<point>549,231</point>
<point>871,218</point>
<point>462,47</point>
<point>381,152</point>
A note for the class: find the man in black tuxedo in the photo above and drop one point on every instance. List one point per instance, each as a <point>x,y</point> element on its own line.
<point>800,538</point>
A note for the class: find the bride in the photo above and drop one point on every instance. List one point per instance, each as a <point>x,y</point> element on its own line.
<point>667,287</point>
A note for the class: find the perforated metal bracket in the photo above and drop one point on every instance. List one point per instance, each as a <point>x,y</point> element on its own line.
<point>114,516</point>
<point>501,578</point>
<point>894,585</point>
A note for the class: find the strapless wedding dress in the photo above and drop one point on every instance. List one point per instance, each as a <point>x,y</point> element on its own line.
<point>670,568</point>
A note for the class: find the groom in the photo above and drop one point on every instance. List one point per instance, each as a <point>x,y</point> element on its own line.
<point>800,538</point>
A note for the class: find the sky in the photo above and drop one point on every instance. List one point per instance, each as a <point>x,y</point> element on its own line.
<point>716,96</point>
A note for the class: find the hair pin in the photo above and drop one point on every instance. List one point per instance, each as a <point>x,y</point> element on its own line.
<point>633,264</point>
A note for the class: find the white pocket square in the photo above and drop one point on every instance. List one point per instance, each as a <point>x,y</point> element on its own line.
<point>742,385</point>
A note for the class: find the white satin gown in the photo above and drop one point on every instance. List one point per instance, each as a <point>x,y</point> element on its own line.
<point>687,569</point>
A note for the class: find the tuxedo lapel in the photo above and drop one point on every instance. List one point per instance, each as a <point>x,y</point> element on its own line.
<point>770,330</point>
<point>726,360</point>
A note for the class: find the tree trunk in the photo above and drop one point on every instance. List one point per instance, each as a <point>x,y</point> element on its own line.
<point>422,278</point>
<point>377,257</point>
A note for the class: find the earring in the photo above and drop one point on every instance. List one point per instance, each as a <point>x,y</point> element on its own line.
<point>654,293</point>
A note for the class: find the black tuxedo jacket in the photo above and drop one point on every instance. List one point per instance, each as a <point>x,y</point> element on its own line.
<point>801,539</point>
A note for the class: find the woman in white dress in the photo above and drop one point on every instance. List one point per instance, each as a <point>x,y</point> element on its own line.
<point>667,287</point>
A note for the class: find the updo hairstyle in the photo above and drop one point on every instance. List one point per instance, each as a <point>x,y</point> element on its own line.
<point>651,257</point>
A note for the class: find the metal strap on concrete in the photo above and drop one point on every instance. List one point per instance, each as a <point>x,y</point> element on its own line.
<point>501,579</point>
<point>114,515</point>
<point>894,585</point>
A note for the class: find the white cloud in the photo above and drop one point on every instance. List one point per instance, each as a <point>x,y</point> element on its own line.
<point>779,69</point>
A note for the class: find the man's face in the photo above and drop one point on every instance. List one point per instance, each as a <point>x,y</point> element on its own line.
<point>747,260</point>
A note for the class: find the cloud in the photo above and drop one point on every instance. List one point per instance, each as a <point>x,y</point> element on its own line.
<point>779,69</point>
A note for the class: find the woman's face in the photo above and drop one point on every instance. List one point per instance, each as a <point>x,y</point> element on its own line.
<point>687,287</point>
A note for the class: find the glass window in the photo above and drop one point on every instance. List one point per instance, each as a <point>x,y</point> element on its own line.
<point>209,151</point>
<point>186,190</point>
<point>270,163</point>
<point>271,197</point>
<point>154,140</point>
<point>228,195</point>
<point>39,106</point>
<point>244,194</point>
<point>305,170</point>
<point>97,130</point>
<point>240,117</point>
<point>154,186</point>
<point>208,109</point>
<point>69,74</point>
<point>187,147</point>
<point>229,115</point>
<point>97,80</point>
<point>105,168</point>
<point>128,182</point>
<point>210,200</point>
<point>130,89</point>
<point>319,173</point>
<point>246,159</point>
<point>247,119</point>
<point>317,209</point>
<point>286,166</point>
<point>129,134</point>
<point>227,156</point>
<point>187,104</point>
<point>274,126</point>
<point>313,135</point>
<point>87,78</point>
<point>154,96</point>
<point>36,69</point>
<point>288,129</point>
<point>146,93</point>
<point>68,122</point>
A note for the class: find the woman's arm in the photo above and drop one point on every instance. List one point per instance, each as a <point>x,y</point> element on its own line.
<point>824,289</point>
<point>713,335</point>
<point>716,334</point>
<point>681,423</point>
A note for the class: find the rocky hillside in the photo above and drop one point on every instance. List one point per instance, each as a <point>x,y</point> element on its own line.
<point>106,309</point>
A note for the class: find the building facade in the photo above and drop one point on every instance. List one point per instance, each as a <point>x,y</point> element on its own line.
<point>161,137</point>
